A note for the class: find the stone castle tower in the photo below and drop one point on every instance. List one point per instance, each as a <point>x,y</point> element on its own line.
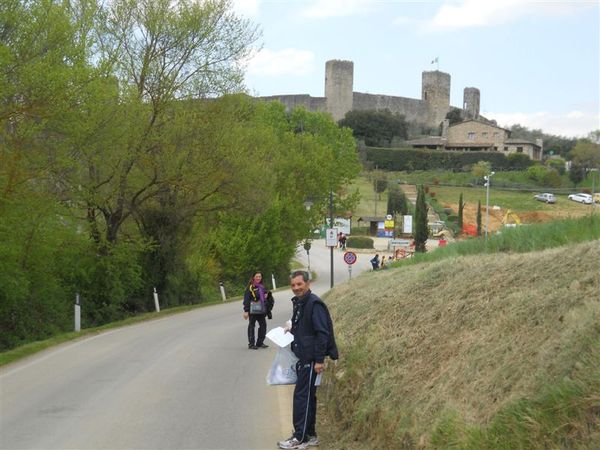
<point>435,92</point>
<point>340,98</point>
<point>339,82</point>
<point>471,102</point>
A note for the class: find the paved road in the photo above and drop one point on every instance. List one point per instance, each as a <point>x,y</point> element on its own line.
<point>181,382</point>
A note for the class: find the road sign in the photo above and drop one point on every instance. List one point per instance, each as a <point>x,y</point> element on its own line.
<point>349,258</point>
<point>331,239</point>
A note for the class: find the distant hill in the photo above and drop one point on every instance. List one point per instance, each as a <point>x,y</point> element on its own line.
<point>485,351</point>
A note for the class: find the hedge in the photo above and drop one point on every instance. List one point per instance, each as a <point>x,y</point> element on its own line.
<point>408,159</point>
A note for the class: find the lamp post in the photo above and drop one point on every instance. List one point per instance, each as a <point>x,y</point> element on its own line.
<point>488,179</point>
<point>307,204</point>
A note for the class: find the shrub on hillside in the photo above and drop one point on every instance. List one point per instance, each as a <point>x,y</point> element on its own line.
<point>359,242</point>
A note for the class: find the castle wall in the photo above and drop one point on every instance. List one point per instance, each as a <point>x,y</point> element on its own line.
<point>317,104</point>
<point>413,109</point>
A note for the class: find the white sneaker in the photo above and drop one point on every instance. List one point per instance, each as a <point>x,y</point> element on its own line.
<point>313,441</point>
<point>292,443</point>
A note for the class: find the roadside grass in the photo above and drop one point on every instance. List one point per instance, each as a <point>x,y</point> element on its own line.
<point>520,239</point>
<point>31,348</point>
<point>485,351</point>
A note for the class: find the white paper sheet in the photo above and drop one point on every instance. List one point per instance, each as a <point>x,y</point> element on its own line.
<point>280,337</point>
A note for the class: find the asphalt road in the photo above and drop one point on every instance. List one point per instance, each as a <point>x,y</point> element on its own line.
<point>182,382</point>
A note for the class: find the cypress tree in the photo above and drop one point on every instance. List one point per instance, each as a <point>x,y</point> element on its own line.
<point>479,218</point>
<point>421,229</point>
<point>461,206</point>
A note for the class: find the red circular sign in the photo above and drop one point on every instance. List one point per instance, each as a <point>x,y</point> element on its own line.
<point>350,258</point>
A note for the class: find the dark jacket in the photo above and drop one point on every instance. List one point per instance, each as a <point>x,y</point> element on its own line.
<point>312,329</point>
<point>251,295</point>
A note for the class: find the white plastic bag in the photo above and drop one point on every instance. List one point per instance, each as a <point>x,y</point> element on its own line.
<point>283,369</point>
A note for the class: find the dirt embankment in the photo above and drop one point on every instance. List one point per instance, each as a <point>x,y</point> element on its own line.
<point>497,216</point>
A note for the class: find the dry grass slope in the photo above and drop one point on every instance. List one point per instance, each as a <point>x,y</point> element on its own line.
<point>466,337</point>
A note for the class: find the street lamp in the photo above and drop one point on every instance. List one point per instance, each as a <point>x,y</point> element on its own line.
<point>488,180</point>
<point>308,204</point>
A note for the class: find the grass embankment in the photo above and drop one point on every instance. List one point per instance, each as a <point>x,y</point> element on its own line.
<point>487,351</point>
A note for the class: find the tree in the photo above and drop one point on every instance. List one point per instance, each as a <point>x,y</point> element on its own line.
<point>557,164</point>
<point>421,228</point>
<point>480,169</point>
<point>376,128</point>
<point>454,116</point>
<point>397,201</point>
<point>586,154</point>
<point>479,229</point>
<point>461,207</point>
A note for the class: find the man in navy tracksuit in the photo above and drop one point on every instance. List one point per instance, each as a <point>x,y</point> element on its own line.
<point>313,341</point>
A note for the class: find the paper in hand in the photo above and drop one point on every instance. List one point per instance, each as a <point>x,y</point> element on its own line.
<point>280,337</point>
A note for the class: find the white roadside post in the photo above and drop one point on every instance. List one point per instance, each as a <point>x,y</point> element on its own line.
<point>77,313</point>
<point>222,288</point>
<point>273,281</point>
<point>156,305</point>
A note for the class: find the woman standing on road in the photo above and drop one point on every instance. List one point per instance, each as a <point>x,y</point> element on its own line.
<point>258,303</point>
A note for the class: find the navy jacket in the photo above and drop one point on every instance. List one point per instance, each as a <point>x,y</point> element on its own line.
<point>312,329</point>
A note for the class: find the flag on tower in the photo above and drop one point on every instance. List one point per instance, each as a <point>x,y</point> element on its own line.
<point>435,60</point>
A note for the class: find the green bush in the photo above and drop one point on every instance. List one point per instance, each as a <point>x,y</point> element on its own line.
<point>359,242</point>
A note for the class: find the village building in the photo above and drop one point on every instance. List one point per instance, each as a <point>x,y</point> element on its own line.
<point>476,135</point>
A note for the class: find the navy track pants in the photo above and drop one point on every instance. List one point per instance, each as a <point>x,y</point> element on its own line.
<point>305,402</point>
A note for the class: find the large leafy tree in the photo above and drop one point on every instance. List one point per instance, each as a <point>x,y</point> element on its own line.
<point>376,128</point>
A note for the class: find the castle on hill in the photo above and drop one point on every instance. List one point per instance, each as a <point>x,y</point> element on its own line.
<point>475,133</point>
<point>429,110</point>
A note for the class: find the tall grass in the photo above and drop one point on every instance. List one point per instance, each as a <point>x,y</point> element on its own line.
<point>521,239</point>
<point>564,415</point>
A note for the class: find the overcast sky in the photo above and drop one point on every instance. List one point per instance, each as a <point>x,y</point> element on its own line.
<point>536,63</point>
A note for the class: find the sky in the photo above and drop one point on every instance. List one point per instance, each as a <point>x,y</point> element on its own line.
<point>536,63</point>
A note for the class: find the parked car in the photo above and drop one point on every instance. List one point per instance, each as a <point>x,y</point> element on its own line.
<point>545,197</point>
<point>581,197</point>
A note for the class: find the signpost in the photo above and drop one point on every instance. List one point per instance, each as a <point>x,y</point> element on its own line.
<point>350,258</point>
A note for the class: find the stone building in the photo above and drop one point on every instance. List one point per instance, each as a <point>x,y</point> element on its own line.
<point>476,135</point>
<point>429,110</point>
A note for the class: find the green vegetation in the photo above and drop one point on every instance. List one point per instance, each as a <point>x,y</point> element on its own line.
<point>376,128</point>
<point>359,242</point>
<point>127,162</point>
<point>474,346</point>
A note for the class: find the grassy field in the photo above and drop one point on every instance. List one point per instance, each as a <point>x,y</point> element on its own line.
<point>520,202</point>
<point>496,348</point>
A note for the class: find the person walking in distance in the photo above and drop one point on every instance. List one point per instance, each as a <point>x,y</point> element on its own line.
<point>258,302</point>
<point>313,341</point>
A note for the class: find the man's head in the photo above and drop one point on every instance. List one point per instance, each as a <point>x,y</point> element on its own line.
<point>300,282</point>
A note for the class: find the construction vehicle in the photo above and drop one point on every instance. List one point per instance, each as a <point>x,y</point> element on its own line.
<point>511,219</point>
